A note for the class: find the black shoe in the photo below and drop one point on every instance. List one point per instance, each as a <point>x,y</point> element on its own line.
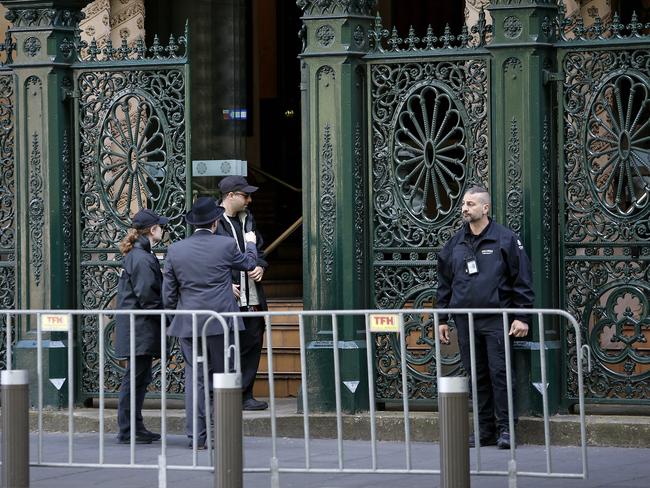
<point>486,440</point>
<point>252,404</point>
<point>503,442</point>
<point>154,436</point>
<point>200,446</point>
<point>139,439</point>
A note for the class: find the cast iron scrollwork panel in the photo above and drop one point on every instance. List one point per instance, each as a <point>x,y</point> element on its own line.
<point>618,144</point>
<point>611,300</point>
<point>132,134</point>
<point>429,142</point>
<point>606,232</point>
<point>7,207</point>
<point>132,160</point>
<point>429,153</point>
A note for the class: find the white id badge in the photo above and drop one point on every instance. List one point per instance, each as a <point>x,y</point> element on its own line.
<point>472,267</point>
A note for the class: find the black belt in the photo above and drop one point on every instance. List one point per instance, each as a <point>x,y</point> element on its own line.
<point>250,308</point>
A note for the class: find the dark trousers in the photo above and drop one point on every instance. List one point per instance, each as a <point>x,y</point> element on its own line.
<point>250,346</point>
<point>491,378</point>
<point>142,380</point>
<point>215,365</point>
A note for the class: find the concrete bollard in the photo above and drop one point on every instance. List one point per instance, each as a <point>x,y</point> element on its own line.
<point>15,428</point>
<point>453,392</point>
<point>228,446</point>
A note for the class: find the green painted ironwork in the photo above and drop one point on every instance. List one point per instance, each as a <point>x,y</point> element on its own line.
<point>445,110</point>
<point>132,140</point>
<point>430,143</point>
<point>8,248</point>
<point>605,136</point>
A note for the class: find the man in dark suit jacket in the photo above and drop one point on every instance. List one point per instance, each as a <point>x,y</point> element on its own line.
<point>236,195</point>
<point>197,276</point>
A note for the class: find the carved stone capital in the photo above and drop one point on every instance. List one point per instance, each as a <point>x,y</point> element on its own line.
<point>527,3</point>
<point>315,8</point>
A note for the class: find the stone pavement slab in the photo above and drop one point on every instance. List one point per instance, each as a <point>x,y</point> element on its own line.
<point>609,467</point>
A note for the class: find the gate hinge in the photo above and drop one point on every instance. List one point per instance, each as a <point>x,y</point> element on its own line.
<point>69,93</point>
<point>549,76</point>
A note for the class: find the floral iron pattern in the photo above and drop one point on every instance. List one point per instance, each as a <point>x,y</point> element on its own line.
<point>429,153</point>
<point>618,145</point>
<point>429,141</point>
<point>605,227</point>
<point>132,154</point>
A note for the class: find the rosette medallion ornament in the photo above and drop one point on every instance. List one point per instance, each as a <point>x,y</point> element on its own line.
<point>429,153</point>
<point>132,156</point>
<point>618,145</point>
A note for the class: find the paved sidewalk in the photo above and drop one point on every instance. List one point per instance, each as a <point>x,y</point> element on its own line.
<point>609,467</point>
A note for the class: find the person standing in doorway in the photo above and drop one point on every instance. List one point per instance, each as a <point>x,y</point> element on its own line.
<point>236,196</point>
<point>197,276</point>
<point>139,288</point>
<point>484,265</point>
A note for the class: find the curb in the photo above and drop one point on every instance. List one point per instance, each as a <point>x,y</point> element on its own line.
<point>604,431</point>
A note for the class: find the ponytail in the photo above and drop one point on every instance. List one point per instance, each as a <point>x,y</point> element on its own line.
<point>131,236</point>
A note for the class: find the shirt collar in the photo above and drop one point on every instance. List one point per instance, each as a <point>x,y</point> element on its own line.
<point>468,231</point>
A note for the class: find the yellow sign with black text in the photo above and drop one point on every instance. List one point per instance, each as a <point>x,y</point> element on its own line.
<point>385,322</point>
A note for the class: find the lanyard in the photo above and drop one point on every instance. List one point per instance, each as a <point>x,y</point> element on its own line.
<point>243,277</point>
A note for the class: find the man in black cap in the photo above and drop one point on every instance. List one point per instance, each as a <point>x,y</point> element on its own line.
<point>197,276</point>
<point>247,287</point>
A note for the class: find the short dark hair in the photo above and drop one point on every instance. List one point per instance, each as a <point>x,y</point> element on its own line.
<point>477,189</point>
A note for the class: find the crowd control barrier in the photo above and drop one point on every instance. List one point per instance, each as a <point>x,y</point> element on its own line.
<point>62,321</point>
<point>229,462</point>
<point>541,316</point>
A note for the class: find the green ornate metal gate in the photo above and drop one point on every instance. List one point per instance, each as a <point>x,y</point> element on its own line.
<point>132,149</point>
<point>552,114</point>
<point>88,136</point>
<point>605,136</point>
<point>430,110</point>
<point>430,107</point>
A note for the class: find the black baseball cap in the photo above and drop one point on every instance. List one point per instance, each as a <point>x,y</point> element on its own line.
<point>236,183</point>
<point>147,218</point>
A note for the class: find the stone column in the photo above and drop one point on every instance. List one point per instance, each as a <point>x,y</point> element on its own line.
<point>473,9</point>
<point>127,21</point>
<point>523,168</point>
<point>97,22</point>
<point>588,10</point>
<point>44,33</point>
<point>335,190</point>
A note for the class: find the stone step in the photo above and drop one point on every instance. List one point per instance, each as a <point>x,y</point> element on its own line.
<point>283,288</point>
<point>286,351</point>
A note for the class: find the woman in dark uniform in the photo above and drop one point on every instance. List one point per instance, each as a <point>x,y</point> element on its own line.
<point>138,289</point>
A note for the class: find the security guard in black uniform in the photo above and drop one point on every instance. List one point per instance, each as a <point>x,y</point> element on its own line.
<point>485,266</point>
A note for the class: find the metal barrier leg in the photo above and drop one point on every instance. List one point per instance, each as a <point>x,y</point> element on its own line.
<point>162,471</point>
<point>229,453</point>
<point>453,393</point>
<point>15,428</point>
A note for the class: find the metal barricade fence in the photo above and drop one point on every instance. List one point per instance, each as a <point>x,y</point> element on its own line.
<point>512,472</point>
<point>231,360</point>
<point>231,357</point>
